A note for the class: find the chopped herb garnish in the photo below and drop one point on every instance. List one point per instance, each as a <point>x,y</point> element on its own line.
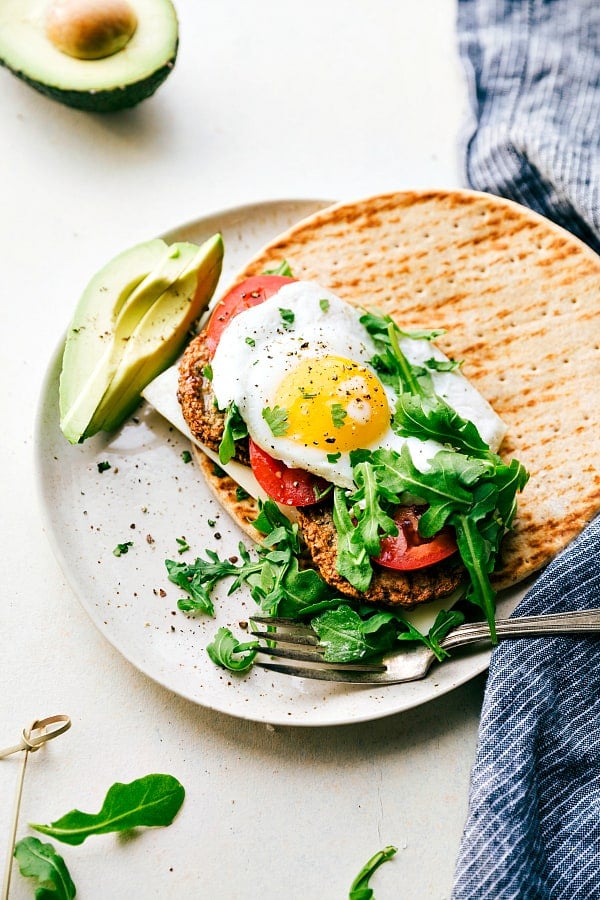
<point>282,269</point>
<point>251,342</point>
<point>183,545</point>
<point>338,415</point>
<point>277,420</point>
<point>324,304</point>
<point>103,466</point>
<point>241,494</point>
<point>186,456</point>
<point>287,315</point>
<point>121,549</point>
<point>207,371</point>
<point>333,457</point>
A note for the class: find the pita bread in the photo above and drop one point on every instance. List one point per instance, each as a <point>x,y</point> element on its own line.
<point>518,297</point>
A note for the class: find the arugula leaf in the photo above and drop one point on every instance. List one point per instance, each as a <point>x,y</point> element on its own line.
<point>42,862</point>
<point>277,420</point>
<point>476,496</point>
<point>225,650</point>
<point>346,636</point>
<point>359,889</point>
<point>282,269</point>
<point>391,363</point>
<point>353,562</point>
<point>443,365</point>
<point>432,418</point>
<point>378,326</point>
<point>234,429</point>
<point>445,621</point>
<point>199,578</point>
<point>373,522</point>
<point>153,800</point>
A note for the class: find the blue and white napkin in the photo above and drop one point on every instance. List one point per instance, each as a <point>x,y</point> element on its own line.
<point>533,826</point>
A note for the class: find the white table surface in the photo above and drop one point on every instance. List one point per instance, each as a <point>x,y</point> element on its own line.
<point>336,99</point>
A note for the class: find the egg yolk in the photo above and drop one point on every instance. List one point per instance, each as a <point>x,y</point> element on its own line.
<point>334,404</point>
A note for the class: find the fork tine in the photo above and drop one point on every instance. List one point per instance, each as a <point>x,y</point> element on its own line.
<point>283,637</point>
<point>317,657</point>
<point>352,674</point>
<point>294,624</point>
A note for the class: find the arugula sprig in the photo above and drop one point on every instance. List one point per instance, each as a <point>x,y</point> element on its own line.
<point>348,634</point>
<point>274,577</point>
<point>234,429</point>
<point>474,496</point>
<point>391,364</point>
<point>281,586</point>
<point>432,418</point>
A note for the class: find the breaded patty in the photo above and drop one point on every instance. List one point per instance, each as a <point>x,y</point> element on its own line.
<point>388,587</point>
<point>197,399</point>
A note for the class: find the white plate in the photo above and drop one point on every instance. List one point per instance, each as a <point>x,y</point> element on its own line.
<point>151,497</point>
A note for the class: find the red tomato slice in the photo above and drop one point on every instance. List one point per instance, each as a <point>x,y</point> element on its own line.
<point>247,293</point>
<point>408,550</point>
<point>292,487</point>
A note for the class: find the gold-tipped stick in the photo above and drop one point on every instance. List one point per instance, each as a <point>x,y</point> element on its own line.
<point>39,732</point>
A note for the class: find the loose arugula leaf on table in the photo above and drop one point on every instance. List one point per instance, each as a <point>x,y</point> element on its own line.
<point>359,889</point>
<point>151,801</point>
<point>42,862</point>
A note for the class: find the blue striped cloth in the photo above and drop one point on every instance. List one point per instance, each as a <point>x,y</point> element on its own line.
<point>533,825</point>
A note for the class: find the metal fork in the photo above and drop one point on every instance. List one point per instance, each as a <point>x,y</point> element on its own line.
<point>297,642</point>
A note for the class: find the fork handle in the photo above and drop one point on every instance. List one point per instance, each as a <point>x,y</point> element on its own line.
<point>586,621</point>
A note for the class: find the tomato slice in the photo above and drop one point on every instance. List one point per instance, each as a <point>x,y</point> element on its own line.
<point>247,293</point>
<point>408,550</point>
<point>292,487</point>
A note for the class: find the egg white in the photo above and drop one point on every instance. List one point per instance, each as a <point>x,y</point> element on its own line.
<point>263,344</point>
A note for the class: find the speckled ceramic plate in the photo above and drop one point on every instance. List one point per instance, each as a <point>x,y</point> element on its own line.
<point>149,497</point>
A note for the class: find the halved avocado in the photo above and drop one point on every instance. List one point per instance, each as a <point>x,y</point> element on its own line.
<point>115,81</point>
<point>131,323</point>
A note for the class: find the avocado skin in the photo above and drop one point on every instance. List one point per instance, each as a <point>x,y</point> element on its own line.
<point>102,101</point>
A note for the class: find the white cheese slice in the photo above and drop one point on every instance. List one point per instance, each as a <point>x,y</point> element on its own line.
<point>162,395</point>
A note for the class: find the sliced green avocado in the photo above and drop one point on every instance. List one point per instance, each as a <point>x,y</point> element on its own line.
<point>116,81</point>
<point>131,323</point>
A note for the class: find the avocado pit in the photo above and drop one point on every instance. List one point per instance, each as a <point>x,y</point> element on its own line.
<point>90,29</point>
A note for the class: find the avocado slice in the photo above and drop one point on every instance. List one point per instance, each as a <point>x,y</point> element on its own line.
<point>138,308</point>
<point>115,81</point>
<point>160,336</point>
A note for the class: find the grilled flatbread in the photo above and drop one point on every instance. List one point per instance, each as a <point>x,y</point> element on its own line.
<point>518,297</point>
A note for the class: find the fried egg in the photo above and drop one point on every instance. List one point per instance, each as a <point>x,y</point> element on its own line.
<point>298,368</point>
